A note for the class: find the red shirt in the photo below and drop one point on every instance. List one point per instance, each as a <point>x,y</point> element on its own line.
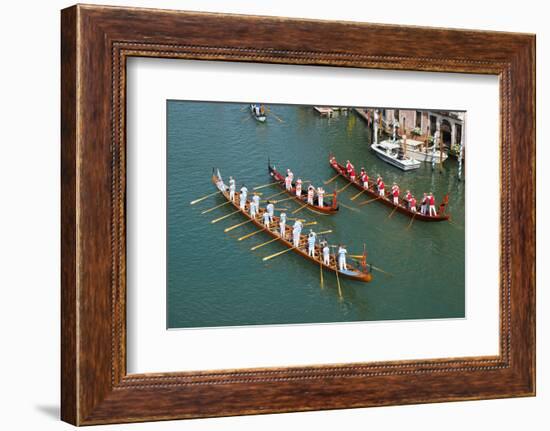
<point>413,202</point>
<point>396,192</point>
<point>408,197</point>
<point>381,185</point>
<point>432,200</point>
<point>352,172</point>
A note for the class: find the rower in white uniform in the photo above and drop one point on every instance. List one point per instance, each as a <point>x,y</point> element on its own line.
<point>242,197</point>
<point>282,225</point>
<point>326,253</point>
<point>270,209</point>
<point>299,187</point>
<point>231,189</point>
<point>266,219</point>
<point>253,209</point>
<point>320,196</point>
<point>256,200</point>
<point>296,231</point>
<point>342,258</point>
<point>311,238</point>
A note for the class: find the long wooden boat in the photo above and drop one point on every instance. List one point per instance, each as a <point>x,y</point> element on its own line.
<point>330,205</point>
<point>353,272</point>
<point>388,199</point>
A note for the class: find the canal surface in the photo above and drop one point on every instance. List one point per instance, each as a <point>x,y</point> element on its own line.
<point>215,280</point>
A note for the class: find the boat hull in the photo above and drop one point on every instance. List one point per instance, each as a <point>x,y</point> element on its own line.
<point>422,156</point>
<point>387,200</point>
<point>280,179</point>
<point>351,273</point>
<point>403,165</point>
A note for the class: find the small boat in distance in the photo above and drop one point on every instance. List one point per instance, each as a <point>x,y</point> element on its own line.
<point>258,112</point>
<point>422,152</point>
<point>330,206</point>
<point>392,152</point>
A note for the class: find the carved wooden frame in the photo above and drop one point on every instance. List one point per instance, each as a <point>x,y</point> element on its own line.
<point>95,42</point>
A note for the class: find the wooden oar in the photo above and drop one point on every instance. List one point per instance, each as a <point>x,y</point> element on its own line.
<point>272,196</point>
<point>371,200</point>
<point>345,187</point>
<point>264,185</point>
<point>410,224</point>
<point>277,254</point>
<point>348,207</point>
<point>217,206</point>
<point>256,247</point>
<point>299,209</point>
<point>331,179</point>
<point>276,117</point>
<point>391,214</point>
<point>381,270</point>
<point>283,200</point>
<point>237,225</point>
<point>250,234</point>
<point>196,201</point>
<point>321,268</point>
<point>310,223</point>
<point>337,276</point>
<point>358,194</point>
<point>225,216</point>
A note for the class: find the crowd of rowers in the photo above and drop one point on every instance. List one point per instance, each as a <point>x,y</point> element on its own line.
<point>267,217</point>
<point>427,204</point>
<point>313,193</point>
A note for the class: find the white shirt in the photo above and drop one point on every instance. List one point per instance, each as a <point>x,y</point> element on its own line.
<point>342,252</point>
<point>256,200</point>
<point>266,217</point>
<point>282,218</point>
<point>311,240</point>
<point>270,209</point>
<point>326,251</point>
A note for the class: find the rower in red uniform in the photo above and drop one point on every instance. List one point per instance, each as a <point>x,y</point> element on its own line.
<point>431,201</point>
<point>395,192</point>
<point>350,169</point>
<point>412,204</point>
<point>352,173</point>
<point>288,183</point>
<point>364,178</point>
<point>378,179</point>
<point>310,194</point>
<point>408,198</point>
<point>424,205</point>
<point>381,186</point>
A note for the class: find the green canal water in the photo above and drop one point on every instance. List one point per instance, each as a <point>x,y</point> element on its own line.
<point>215,280</point>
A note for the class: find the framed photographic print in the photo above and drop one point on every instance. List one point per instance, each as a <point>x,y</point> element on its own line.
<point>257,218</point>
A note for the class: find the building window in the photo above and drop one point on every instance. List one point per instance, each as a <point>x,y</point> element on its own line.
<point>433,124</point>
<point>418,120</point>
<point>458,135</point>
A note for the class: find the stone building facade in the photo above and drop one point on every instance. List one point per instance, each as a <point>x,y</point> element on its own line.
<point>450,124</point>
